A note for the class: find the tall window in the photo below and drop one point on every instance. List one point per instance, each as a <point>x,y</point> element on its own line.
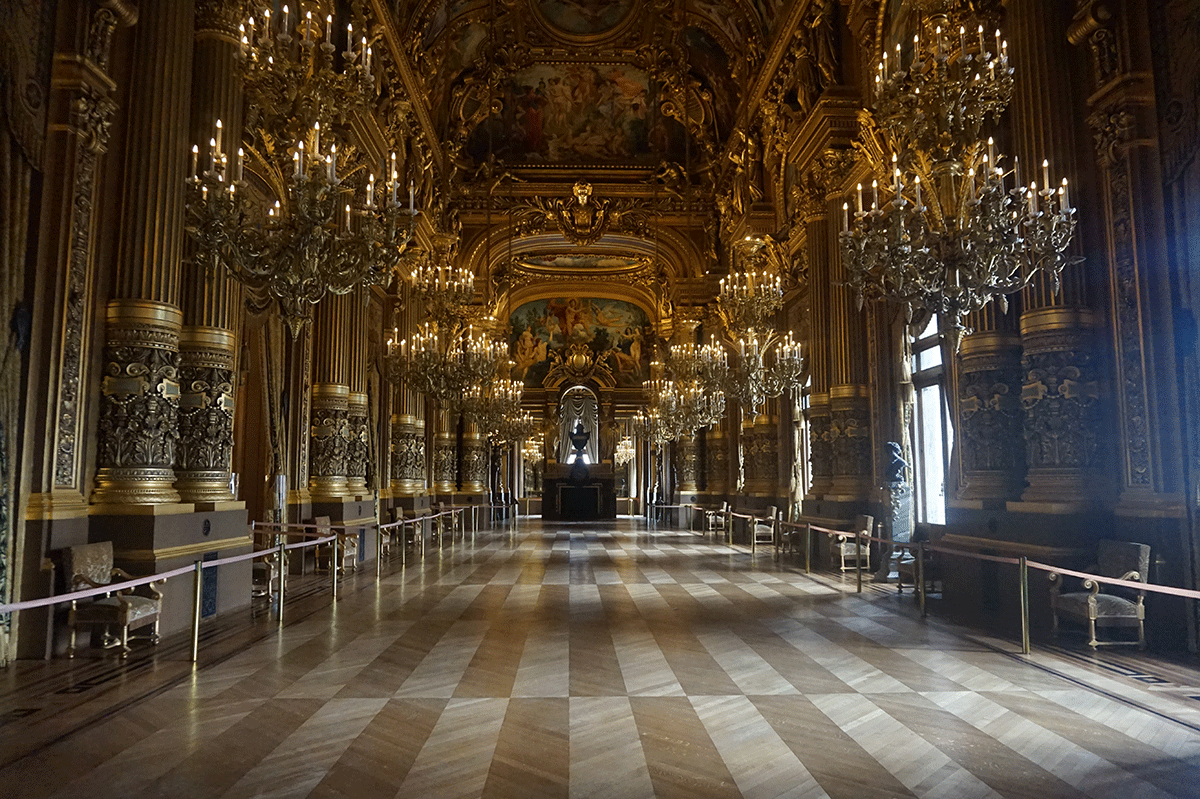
<point>931,433</point>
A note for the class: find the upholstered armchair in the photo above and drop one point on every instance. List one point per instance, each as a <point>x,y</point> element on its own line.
<point>764,528</point>
<point>91,566</point>
<point>845,547</point>
<point>1105,605</point>
<point>714,520</point>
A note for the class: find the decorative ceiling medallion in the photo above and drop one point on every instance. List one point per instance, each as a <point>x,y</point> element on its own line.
<point>584,17</point>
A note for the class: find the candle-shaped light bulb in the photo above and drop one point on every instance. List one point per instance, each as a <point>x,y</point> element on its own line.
<point>212,154</point>
<point>240,161</point>
<point>883,65</point>
<point>347,217</point>
<point>333,163</point>
<point>962,41</point>
<point>307,26</point>
<point>300,152</point>
<point>917,186</point>
<point>287,20</point>
<point>991,149</point>
<point>412,186</point>
<point>981,40</point>
<point>874,194</point>
<point>329,28</point>
<point>316,137</point>
<point>845,216</point>
<point>997,41</point>
<point>195,159</point>
<point>1033,197</point>
<point>1046,172</point>
<point>858,200</point>
<point>1066,201</point>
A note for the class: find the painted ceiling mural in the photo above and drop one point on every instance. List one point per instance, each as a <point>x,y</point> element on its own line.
<point>616,332</point>
<point>579,113</point>
<point>584,17</point>
<point>582,262</point>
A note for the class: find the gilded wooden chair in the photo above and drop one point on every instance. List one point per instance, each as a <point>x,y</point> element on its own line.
<point>845,547</point>
<point>1105,605</point>
<point>765,528</point>
<point>91,566</point>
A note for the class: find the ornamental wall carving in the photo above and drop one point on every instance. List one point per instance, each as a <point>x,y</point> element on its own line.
<point>1060,398</point>
<point>989,413</point>
<point>408,454</point>
<point>850,441</point>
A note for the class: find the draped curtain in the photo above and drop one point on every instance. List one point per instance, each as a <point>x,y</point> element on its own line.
<point>577,404</point>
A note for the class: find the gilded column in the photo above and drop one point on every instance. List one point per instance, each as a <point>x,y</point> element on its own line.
<point>330,428</point>
<point>760,453</point>
<point>1059,394</point>
<point>208,343</point>
<point>716,467</point>
<point>990,443</point>
<point>445,466</point>
<point>474,460</point>
<point>358,454</point>
<point>139,425</point>
<point>686,465</point>
<point>849,398</point>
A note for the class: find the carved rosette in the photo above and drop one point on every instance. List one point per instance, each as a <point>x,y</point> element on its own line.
<point>1060,397</point>
<point>820,444</point>
<point>206,403</point>
<point>408,455</point>
<point>850,441</point>
<point>329,440</point>
<point>991,445</point>
<point>686,464</point>
<point>760,457</point>
<point>474,463</point>
<point>445,468</point>
<point>358,449</point>
<point>139,407</point>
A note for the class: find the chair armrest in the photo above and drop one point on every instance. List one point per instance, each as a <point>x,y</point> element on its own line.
<point>85,581</point>
<point>1132,577</point>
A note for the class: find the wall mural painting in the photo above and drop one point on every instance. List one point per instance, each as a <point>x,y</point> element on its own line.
<point>584,17</point>
<point>443,11</point>
<point>579,113</point>
<point>581,261</point>
<point>616,331</point>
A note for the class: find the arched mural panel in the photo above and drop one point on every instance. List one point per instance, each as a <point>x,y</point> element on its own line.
<point>615,332</point>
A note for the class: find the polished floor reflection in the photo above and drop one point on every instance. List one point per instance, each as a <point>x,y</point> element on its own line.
<point>571,661</point>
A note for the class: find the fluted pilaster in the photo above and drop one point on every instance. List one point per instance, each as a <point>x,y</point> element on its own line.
<point>139,424</point>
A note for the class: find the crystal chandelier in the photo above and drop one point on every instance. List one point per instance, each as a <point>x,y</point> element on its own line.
<point>449,359</point>
<point>326,232</point>
<point>946,227</point>
<point>648,426</point>
<point>767,364</point>
<point>624,452</point>
<point>495,408</point>
<point>531,450</point>
<point>445,362</point>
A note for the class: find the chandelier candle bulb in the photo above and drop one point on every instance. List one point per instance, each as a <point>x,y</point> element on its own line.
<point>874,195</point>
<point>287,20</point>
<point>316,137</point>
<point>845,216</point>
<point>333,163</point>
<point>307,27</point>
<point>1033,198</point>
<point>195,161</point>
<point>219,137</point>
<point>858,208</point>
<point>412,186</point>
<point>1066,203</point>
<point>328,33</point>
<point>241,159</point>
<point>962,41</point>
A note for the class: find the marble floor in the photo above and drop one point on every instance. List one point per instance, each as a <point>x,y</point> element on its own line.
<point>576,661</point>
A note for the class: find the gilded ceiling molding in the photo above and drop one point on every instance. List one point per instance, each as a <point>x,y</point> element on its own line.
<point>399,56</point>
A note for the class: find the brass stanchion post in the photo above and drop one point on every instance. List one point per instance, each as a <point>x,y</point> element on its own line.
<point>336,559</point>
<point>808,547</point>
<point>858,561</point>
<point>197,599</point>
<point>1024,574</point>
<point>282,573</point>
<point>921,575</point>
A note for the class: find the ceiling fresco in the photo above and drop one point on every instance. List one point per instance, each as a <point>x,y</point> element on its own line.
<point>579,113</point>
<point>584,17</point>
<point>582,262</point>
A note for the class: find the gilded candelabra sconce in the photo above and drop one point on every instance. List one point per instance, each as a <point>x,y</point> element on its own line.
<point>945,227</point>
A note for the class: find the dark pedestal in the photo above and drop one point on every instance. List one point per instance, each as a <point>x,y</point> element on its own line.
<point>567,500</point>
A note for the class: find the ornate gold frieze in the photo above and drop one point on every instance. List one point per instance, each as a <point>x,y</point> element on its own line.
<point>408,455</point>
<point>329,440</point>
<point>139,425</point>
<point>358,455</point>
<point>206,404</point>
